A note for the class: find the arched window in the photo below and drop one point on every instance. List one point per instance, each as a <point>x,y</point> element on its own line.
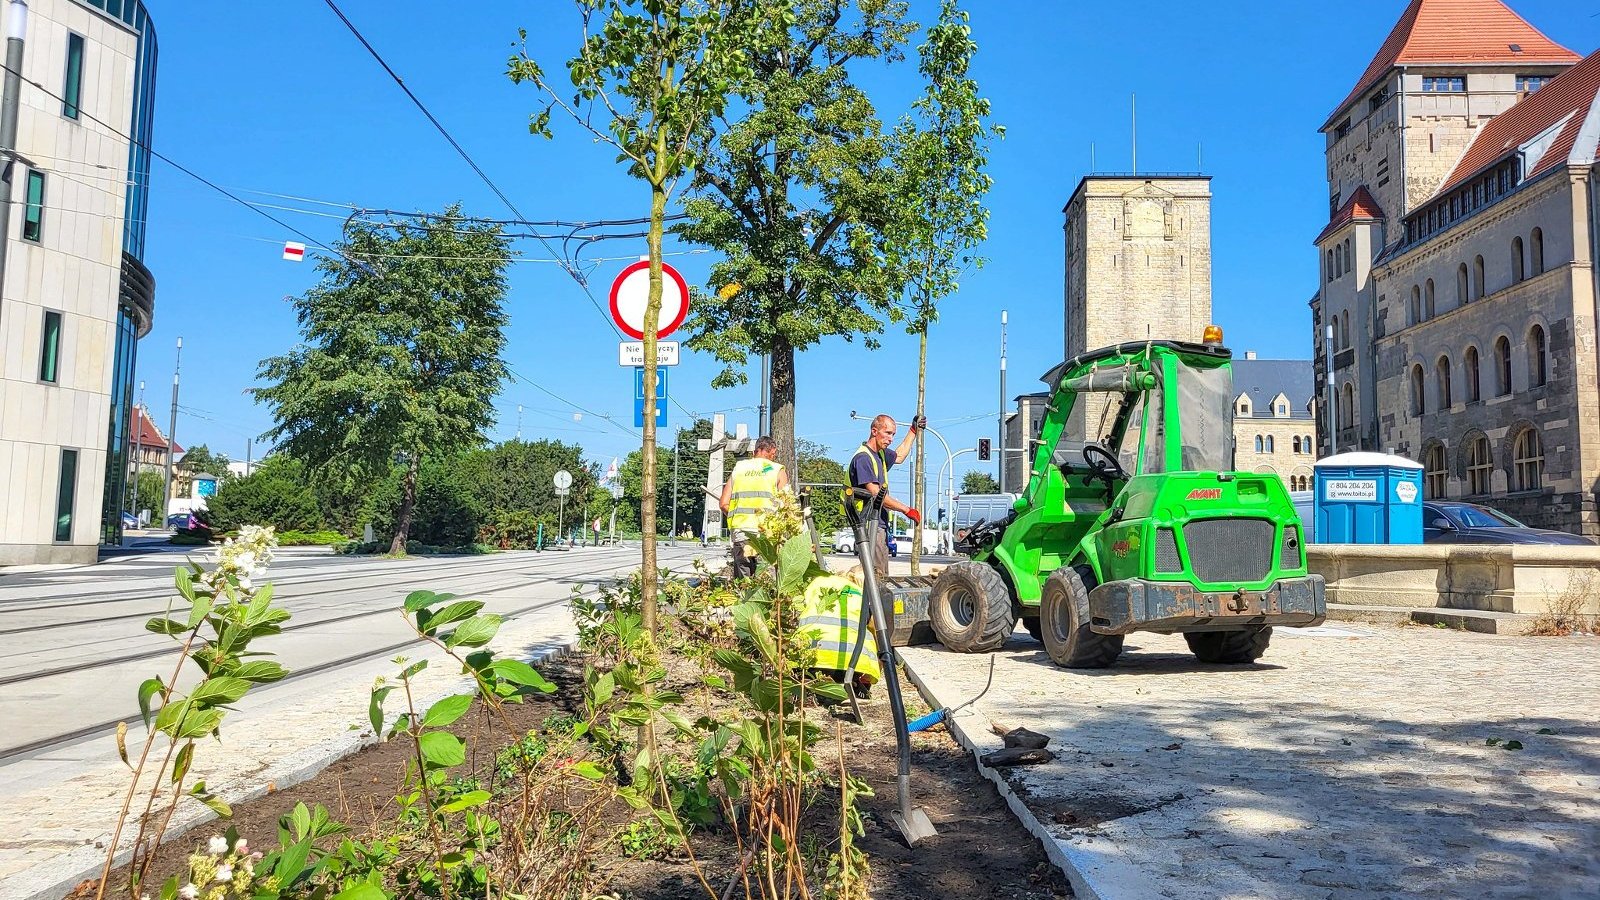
<point>1349,257</point>
<point>1516,260</point>
<point>1480,462</point>
<point>1349,405</point>
<point>1433,473</point>
<point>1502,366</point>
<point>1536,245</point>
<point>1269,445</point>
<point>1258,443</point>
<point>1469,364</point>
<point>1536,356</point>
<point>1305,441</point>
<point>1477,278</point>
<point>1527,461</point>
<point>1330,265</point>
<point>1418,398</point>
<point>1416,304</point>
<point>1429,308</point>
<point>1461,285</point>
<point>1441,370</point>
<point>1338,261</point>
<point>1344,332</point>
<point>1297,443</point>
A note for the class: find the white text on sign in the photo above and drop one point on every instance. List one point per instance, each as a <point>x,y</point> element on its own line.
<point>631,353</point>
<point>1349,490</point>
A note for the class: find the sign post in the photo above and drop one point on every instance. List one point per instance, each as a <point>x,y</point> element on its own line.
<point>563,483</point>
<point>630,295</point>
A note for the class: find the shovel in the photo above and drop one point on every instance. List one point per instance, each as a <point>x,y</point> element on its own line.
<point>911,820</point>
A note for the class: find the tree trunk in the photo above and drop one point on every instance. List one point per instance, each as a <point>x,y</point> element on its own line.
<point>647,486</point>
<point>919,474</point>
<point>408,503</point>
<point>783,407</point>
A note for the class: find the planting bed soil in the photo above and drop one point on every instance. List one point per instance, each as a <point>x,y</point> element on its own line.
<point>980,852</point>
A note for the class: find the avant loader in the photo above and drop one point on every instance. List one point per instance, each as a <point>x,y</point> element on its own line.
<point>1140,527</point>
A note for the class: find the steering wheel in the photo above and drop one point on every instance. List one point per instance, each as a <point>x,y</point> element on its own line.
<point>1104,463</point>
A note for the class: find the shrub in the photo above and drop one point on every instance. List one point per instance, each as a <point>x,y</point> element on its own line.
<point>311,539</point>
<point>275,494</point>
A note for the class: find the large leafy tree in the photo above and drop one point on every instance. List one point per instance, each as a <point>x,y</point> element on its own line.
<point>275,494</point>
<point>826,478</point>
<point>401,352</point>
<point>795,195</point>
<point>975,482</point>
<point>941,150</point>
<point>200,458</point>
<point>650,81</point>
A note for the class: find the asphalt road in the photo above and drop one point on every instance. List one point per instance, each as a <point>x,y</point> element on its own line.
<point>73,647</point>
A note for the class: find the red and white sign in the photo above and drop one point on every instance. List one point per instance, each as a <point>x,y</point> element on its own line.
<point>630,293</point>
<point>294,252</point>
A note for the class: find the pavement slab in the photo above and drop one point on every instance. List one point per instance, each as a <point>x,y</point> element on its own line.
<point>1350,762</point>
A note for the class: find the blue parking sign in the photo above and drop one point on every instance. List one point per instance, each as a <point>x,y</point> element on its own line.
<point>639,401</point>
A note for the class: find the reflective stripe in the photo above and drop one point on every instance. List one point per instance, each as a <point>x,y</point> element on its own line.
<point>740,495</point>
<point>754,486</point>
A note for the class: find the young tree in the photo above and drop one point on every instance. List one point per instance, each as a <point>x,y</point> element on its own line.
<point>658,74</point>
<point>201,459</point>
<point>827,478</point>
<point>402,351</point>
<point>975,482</point>
<point>940,153</point>
<point>795,196</point>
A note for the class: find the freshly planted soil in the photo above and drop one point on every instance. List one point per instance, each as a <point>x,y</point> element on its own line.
<point>980,852</point>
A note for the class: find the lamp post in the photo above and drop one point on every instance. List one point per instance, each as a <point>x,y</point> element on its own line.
<point>10,97</point>
<point>950,505</point>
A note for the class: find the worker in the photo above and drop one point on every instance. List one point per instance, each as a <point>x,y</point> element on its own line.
<point>869,469</point>
<point>749,495</point>
<point>831,621</point>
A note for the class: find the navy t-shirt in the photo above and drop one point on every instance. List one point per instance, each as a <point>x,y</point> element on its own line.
<point>864,471</point>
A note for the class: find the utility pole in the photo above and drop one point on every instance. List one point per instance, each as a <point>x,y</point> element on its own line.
<point>172,432</point>
<point>766,394</point>
<point>249,448</point>
<point>1002,442</point>
<point>1327,355</point>
<point>519,421</point>
<point>16,34</point>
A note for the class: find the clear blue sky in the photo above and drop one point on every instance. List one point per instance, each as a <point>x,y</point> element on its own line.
<point>282,99</point>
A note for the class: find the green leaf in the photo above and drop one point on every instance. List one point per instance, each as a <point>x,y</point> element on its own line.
<point>604,687</point>
<point>762,638</point>
<point>375,709</point>
<point>293,862</point>
<point>465,801</point>
<point>716,681</point>
<point>447,711</point>
<point>362,891</point>
<point>166,626</point>
<point>794,563</point>
<point>475,632</point>
<point>589,770</point>
<point>443,749</point>
<point>200,793</point>
<point>199,611</point>
<point>410,671</point>
<point>199,723</point>
<point>220,690</point>
<point>733,662</point>
<point>260,671</point>
<point>184,580</point>
<point>418,599</point>
<point>518,672</point>
<point>180,764</point>
<point>455,612</point>
<point>829,690</point>
<point>148,689</point>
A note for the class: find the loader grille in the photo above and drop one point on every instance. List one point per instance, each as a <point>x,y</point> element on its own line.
<point>1167,551</point>
<point>1290,558</point>
<point>1225,551</point>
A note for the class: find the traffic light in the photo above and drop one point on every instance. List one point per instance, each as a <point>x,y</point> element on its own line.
<point>983,449</point>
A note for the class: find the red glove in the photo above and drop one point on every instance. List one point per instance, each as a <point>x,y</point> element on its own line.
<point>914,515</point>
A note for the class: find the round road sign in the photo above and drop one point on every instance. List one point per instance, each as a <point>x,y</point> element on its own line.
<point>563,480</point>
<point>630,293</point>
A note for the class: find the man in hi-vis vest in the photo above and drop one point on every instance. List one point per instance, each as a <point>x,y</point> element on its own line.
<point>869,469</point>
<point>748,496</point>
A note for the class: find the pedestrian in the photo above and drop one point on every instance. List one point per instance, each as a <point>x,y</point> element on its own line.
<point>597,531</point>
<point>869,469</point>
<point>749,495</point>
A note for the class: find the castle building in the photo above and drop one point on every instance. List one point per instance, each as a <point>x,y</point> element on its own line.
<point>1272,418</point>
<point>1456,298</point>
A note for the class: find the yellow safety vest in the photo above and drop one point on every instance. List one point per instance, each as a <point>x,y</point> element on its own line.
<point>755,487</point>
<point>831,621</point>
<point>880,470</point>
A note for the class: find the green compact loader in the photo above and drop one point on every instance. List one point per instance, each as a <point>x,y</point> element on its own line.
<point>1142,526</point>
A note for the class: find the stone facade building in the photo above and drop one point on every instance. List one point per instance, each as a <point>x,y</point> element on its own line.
<point>1272,418</point>
<point>1022,429</point>
<point>1138,265</point>
<point>1457,268</point>
<point>74,295</point>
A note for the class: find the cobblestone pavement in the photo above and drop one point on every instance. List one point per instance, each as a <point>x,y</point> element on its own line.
<point>1351,762</point>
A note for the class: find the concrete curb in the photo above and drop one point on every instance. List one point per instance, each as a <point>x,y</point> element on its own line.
<point>46,882</point>
<point>1056,850</point>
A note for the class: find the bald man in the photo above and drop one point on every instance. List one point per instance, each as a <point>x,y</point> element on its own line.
<point>869,469</point>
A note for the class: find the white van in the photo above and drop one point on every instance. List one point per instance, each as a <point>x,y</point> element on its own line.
<point>969,508</point>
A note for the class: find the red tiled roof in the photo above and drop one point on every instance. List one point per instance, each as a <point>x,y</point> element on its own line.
<point>1457,31</point>
<point>146,434</point>
<point>1359,208</point>
<point>1573,91</point>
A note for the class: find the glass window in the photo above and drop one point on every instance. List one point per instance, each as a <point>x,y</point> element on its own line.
<point>1516,260</point>
<point>1484,517</point>
<point>1433,474</point>
<point>1527,460</point>
<point>72,90</point>
<point>33,211</point>
<point>1203,420</point>
<point>1502,366</point>
<point>1536,357</point>
<point>1418,403</point>
<point>1430,306</point>
<point>1479,464</point>
<point>1444,84</point>
<point>1537,247</point>
<point>1477,278</point>
<point>1470,365</point>
<point>50,347</point>
<point>66,494</point>
<point>1442,370</point>
<point>1270,448</point>
<point>1531,83</point>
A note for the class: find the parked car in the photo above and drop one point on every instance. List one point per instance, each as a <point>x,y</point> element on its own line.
<point>844,541</point>
<point>1453,522</point>
<point>129,520</point>
<point>181,520</point>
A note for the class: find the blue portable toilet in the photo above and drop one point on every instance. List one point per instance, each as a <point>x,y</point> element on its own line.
<point>1368,498</point>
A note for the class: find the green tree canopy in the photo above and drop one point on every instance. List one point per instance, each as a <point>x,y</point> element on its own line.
<point>976,482</point>
<point>201,459</point>
<point>276,493</point>
<point>402,348</point>
<point>827,477</point>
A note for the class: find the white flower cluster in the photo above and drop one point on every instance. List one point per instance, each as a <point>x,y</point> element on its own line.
<point>244,558</point>
<point>221,871</point>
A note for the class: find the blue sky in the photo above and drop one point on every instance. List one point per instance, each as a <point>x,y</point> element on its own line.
<point>280,98</point>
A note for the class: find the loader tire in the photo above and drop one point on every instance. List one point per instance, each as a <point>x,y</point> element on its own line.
<point>1064,619</point>
<point>1034,628</point>
<point>970,608</point>
<point>1231,648</point>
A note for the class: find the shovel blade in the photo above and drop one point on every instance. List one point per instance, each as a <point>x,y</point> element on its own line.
<point>914,825</point>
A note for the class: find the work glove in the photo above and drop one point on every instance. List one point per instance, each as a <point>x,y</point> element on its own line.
<point>914,515</point>
<point>919,422</point>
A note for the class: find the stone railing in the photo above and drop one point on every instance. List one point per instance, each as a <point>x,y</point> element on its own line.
<point>1516,578</point>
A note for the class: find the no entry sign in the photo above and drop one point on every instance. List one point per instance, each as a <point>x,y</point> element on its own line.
<point>630,293</point>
